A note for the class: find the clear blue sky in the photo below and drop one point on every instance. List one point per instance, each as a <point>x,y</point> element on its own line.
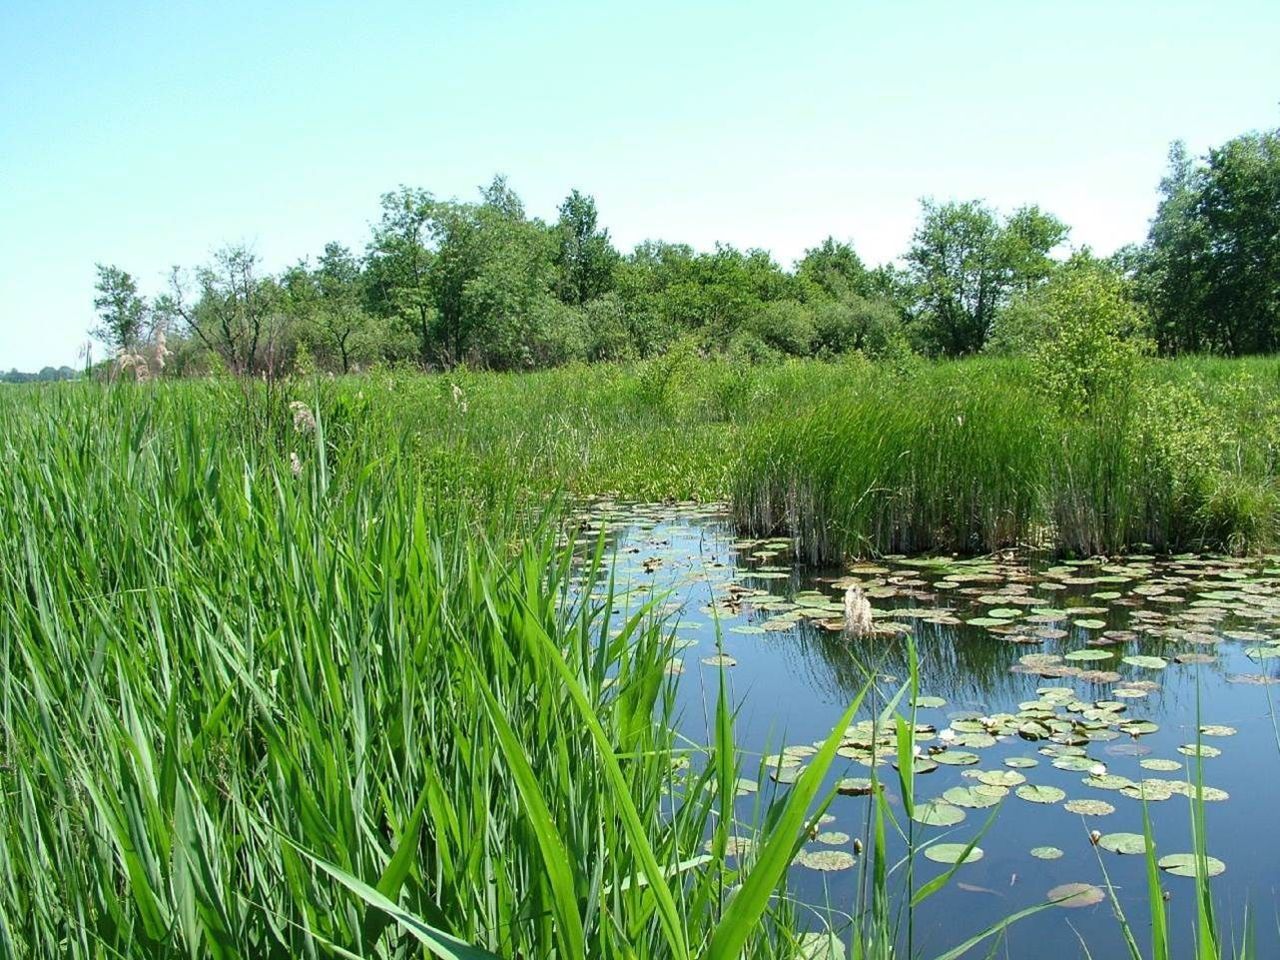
<point>147,134</point>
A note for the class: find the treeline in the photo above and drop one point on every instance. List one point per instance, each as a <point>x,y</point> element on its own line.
<point>45,375</point>
<point>445,282</point>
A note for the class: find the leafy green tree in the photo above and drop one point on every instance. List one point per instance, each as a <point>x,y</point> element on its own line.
<point>1211,267</point>
<point>401,285</point>
<point>584,257</point>
<point>1238,205</point>
<point>835,269</point>
<point>786,326</point>
<point>1023,246</point>
<point>964,264</point>
<point>328,303</point>
<point>238,314</point>
<point>122,312</point>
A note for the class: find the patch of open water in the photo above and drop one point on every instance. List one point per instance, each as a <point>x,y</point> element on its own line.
<point>1043,684</point>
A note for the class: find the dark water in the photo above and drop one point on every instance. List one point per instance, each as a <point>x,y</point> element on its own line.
<point>793,678</point>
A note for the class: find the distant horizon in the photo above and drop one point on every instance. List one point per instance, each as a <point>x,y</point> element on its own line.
<point>129,139</point>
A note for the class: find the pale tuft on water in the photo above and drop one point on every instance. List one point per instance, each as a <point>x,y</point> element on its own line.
<point>857,612</point>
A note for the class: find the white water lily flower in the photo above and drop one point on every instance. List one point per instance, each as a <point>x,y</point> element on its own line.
<point>1098,770</point>
<point>947,735</point>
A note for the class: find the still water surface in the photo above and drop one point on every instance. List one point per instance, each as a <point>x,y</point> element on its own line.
<point>1002,643</point>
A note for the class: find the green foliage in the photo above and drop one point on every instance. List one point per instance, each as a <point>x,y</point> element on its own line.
<point>1210,264</point>
<point>122,312</point>
<point>1082,330</point>
<point>449,282</point>
<point>964,265</point>
<point>399,732</point>
<point>584,258</point>
<point>976,456</point>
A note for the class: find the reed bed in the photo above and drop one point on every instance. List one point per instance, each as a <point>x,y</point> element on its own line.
<point>971,457</point>
<point>253,711</point>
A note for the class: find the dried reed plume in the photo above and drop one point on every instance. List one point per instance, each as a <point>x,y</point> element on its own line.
<point>857,612</point>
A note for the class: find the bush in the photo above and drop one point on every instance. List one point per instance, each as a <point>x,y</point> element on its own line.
<point>1082,330</point>
<point>852,322</point>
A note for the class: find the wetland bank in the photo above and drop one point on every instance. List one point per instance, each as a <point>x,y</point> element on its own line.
<point>351,664</point>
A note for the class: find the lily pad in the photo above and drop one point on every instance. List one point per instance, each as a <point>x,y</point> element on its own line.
<point>956,758</point>
<point>1075,895</point>
<point>1001,778</point>
<point>1090,654</point>
<point>1187,865</point>
<point>1202,750</point>
<point>1046,853</point>
<point>937,813</point>
<point>1089,808</point>
<point>1035,793</point>
<point>1217,730</point>
<point>969,797</point>
<point>1163,766</point>
<point>832,838</point>
<point>720,660</point>
<point>952,853</point>
<point>1146,662</point>
<point>1127,843</point>
<point>855,786</point>
<point>825,860</point>
<point>1021,763</point>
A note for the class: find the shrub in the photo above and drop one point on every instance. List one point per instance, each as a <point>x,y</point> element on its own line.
<point>1084,333</point>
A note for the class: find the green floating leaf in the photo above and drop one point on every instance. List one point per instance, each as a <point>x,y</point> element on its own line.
<point>1021,763</point>
<point>936,813</point>
<point>1217,730</point>
<point>720,660</point>
<point>1127,843</point>
<point>1089,808</point>
<point>1146,662</point>
<point>1091,654</point>
<point>1075,895</point>
<point>825,860</point>
<point>1163,766</point>
<point>952,853</point>
<point>1090,624</point>
<point>1108,781</point>
<point>1202,750</point>
<point>969,797</point>
<point>855,786</point>
<point>1040,794</point>
<point>956,758</point>
<point>1001,778</point>
<point>1046,853</point>
<point>1187,865</point>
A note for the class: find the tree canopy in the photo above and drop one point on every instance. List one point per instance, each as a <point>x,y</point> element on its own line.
<point>443,282</point>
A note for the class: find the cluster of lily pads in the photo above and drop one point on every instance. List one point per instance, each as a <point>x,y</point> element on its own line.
<point>1103,631</point>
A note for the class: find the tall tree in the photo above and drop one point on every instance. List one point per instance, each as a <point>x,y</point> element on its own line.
<point>584,258</point>
<point>237,311</point>
<point>327,302</point>
<point>400,264</point>
<point>836,269</point>
<point>122,312</point>
<point>1211,267</point>
<point>964,264</point>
